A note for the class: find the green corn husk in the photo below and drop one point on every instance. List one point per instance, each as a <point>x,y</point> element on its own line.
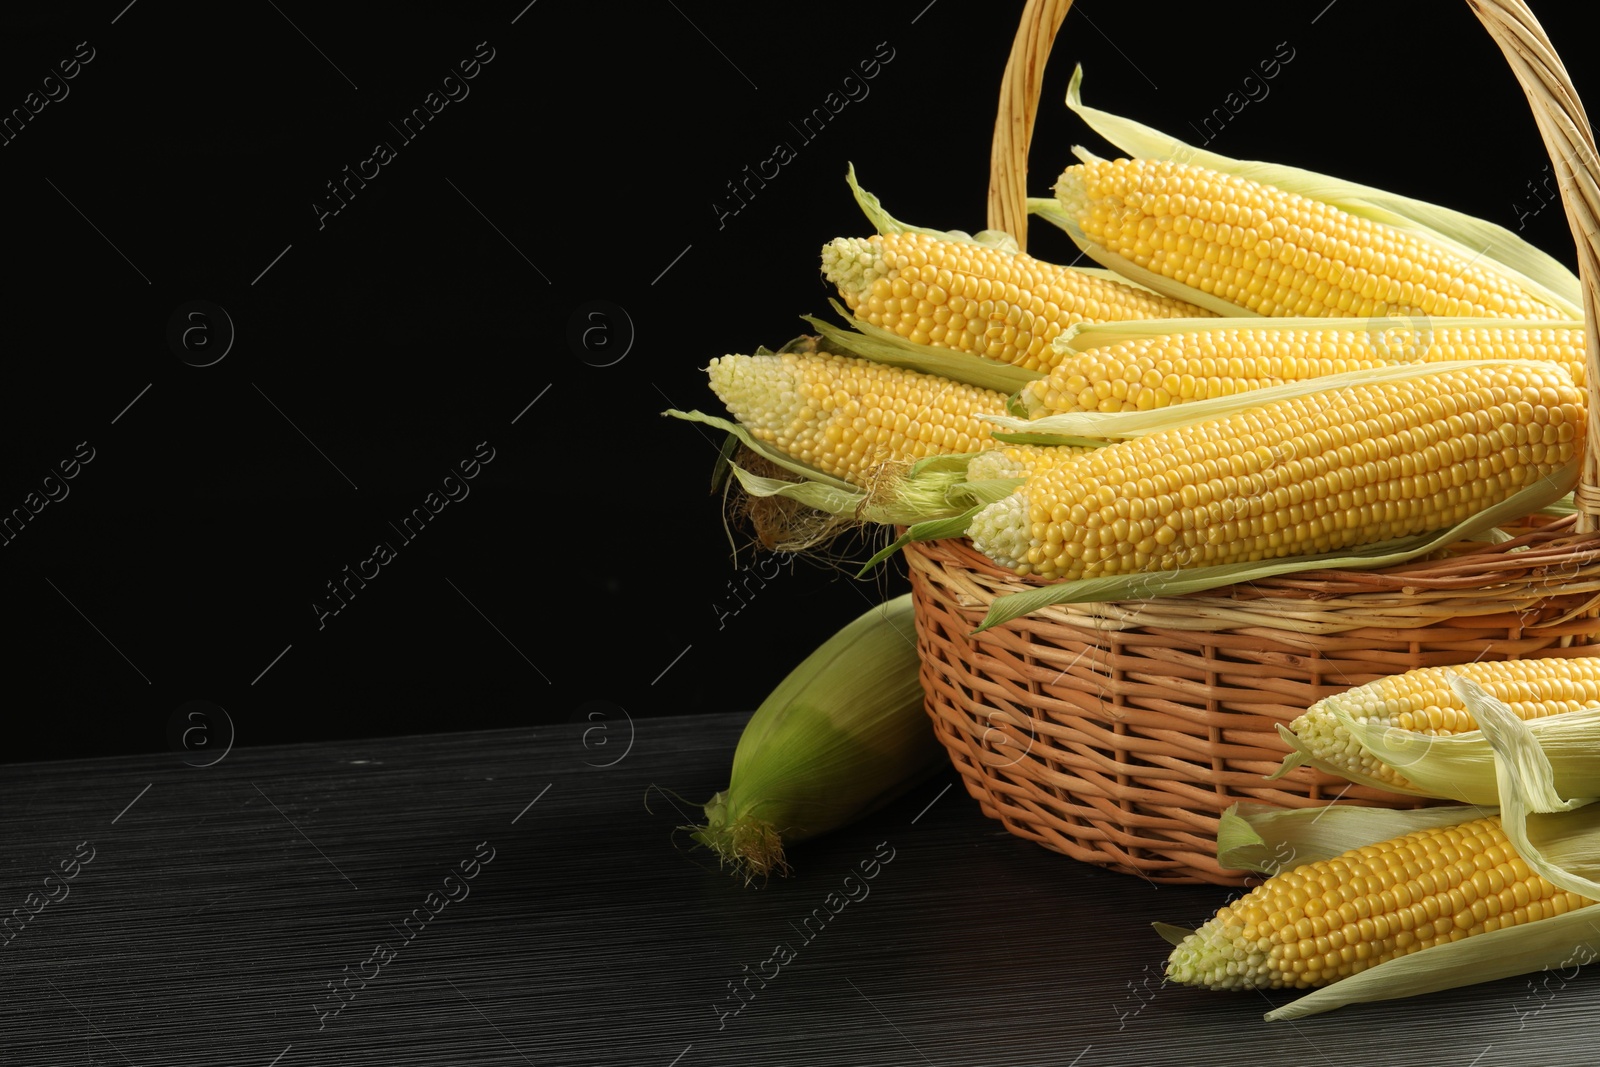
<point>1555,830</point>
<point>842,735</point>
<point>1000,240</point>
<point>1259,837</point>
<point>886,223</point>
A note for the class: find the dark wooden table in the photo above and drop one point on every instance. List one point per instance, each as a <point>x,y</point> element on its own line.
<point>521,897</point>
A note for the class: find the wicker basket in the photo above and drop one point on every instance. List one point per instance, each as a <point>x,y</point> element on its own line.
<point>1117,733</point>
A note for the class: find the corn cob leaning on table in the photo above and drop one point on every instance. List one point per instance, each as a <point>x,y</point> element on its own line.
<point>1000,305</point>
<point>842,734</point>
<point>1156,369</point>
<point>1273,252</point>
<point>1311,474</point>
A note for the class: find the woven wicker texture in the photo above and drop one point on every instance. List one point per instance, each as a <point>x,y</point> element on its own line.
<point>1117,733</point>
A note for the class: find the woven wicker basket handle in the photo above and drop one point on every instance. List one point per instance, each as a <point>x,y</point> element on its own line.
<point>1570,141</point>
<point>1013,126</point>
<point>1556,109</point>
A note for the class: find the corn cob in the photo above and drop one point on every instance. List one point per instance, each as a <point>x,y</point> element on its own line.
<point>840,736</point>
<point>846,416</point>
<point>1273,252</point>
<point>1327,920</point>
<point>1422,700</point>
<point>1311,474</point>
<point>1144,373</point>
<point>1003,306</point>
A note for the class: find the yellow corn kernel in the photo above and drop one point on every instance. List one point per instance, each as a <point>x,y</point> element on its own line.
<point>976,299</point>
<point>1561,345</point>
<point>846,416</point>
<point>1154,372</point>
<point>1320,922</point>
<point>1316,473</point>
<point>1018,461</point>
<point>1421,699</point>
<point>1274,252</point>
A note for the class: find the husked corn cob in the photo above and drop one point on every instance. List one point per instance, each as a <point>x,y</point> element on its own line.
<point>1019,461</point>
<point>1275,252</point>
<point>1311,474</point>
<point>1327,920</point>
<point>845,415</point>
<point>978,299</point>
<point>1561,345</point>
<point>1154,372</point>
<point>1421,699</point>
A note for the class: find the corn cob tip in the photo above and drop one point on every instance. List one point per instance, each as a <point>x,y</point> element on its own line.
<point>752,847</point>
<point>851,265</point>
<point>1071,193</point>
<point>1214,958</point>
<point>1328,740</point>
<point>1002,532</point>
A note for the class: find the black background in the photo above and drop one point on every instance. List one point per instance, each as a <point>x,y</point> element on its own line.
<point>588,569</point>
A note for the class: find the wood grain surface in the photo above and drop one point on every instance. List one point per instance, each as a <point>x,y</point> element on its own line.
<point>572,925</point>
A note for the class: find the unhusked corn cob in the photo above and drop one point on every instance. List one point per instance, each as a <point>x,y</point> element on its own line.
<point>846,416</point>
<point>1421,699</point>
<point>1326,471</point>
<point>1327,920</point>
<point>1275,252</point>
<point>1153,372</point>
<point>1019,461</point>
<point>973,298</point>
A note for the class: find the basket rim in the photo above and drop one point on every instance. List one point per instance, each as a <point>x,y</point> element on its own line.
<point>1545,562</point>
<point>1542,545</point>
